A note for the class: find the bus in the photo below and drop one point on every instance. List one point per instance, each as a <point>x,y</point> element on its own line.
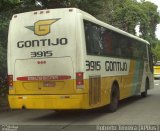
<point>65,58</point>
<point>156,68</point>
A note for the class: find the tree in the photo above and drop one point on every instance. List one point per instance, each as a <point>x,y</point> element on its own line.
<point>149,20</point>
<point>107,10</point>
<point>127,15</point>
<point>156,49</point>
<point>91,6</point>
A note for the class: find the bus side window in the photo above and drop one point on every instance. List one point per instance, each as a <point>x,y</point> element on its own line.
<point>125,47</point>
<point>107,43</point>
<point>88,37</point>
<point>97,40</point>
<point>93,40</point>
<point>116,43</point>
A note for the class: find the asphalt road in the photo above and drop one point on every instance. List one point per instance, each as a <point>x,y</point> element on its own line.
<point>132,111</point>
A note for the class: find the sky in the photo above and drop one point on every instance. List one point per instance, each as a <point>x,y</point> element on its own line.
<point>157,2</point>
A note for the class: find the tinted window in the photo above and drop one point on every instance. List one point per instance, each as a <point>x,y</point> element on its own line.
<point>93,39</point>
<point>105,42</point>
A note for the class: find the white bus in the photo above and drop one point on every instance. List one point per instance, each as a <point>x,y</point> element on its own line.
<point>67,59</point>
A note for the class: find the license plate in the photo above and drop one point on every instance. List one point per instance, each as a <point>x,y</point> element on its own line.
<point>49,84</point>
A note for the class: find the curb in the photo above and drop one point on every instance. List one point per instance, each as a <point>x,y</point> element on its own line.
<point>4,109</point>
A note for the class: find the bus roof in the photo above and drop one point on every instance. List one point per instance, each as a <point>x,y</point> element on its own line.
<point>95,20</point>
<point>114,28</point>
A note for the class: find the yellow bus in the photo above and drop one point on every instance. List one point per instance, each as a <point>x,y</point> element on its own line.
<point>157,70</point>
<point>67,59</point>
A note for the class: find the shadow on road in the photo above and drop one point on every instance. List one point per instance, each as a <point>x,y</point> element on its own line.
<point>68,116</point>
<point>85,115</point>
<point>129,101</point>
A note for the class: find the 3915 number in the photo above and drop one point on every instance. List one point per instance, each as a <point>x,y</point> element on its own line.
<point>93,65</point>
<point>41,54</point>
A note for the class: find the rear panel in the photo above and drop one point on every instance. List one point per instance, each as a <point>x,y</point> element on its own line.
<point>157,70</point>
<point>41,52</point>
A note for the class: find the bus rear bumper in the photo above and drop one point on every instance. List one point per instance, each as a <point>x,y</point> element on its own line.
<point>48,101</point>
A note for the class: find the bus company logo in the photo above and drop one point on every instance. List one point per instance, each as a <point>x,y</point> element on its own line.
<point>42,27</point>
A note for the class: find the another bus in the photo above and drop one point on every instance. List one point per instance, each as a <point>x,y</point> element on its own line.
<point>157,70</point>
<point>67,59</point>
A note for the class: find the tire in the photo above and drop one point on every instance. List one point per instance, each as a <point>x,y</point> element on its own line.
<point>113,106</point>
<point>144,94</point>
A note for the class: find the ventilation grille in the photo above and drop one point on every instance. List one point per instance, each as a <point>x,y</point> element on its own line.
<point>94,90</point>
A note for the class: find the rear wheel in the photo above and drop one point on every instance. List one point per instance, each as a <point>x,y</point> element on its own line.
<point>114,99</point>
<point>144,94</point>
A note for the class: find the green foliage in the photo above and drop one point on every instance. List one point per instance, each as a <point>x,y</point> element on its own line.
<point>3,86</point>
<point>127,15</point>
<point>156,50</point>
<point>149,20</point>
<point>6,5</point>
<point>91,6</point>
<point>4,24</point>
<point>3,62</point>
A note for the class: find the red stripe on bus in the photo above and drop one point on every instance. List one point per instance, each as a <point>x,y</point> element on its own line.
<point>37,78</point>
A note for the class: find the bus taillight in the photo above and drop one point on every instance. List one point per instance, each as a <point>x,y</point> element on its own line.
<point>10,81</point>
<point>79,80</point>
